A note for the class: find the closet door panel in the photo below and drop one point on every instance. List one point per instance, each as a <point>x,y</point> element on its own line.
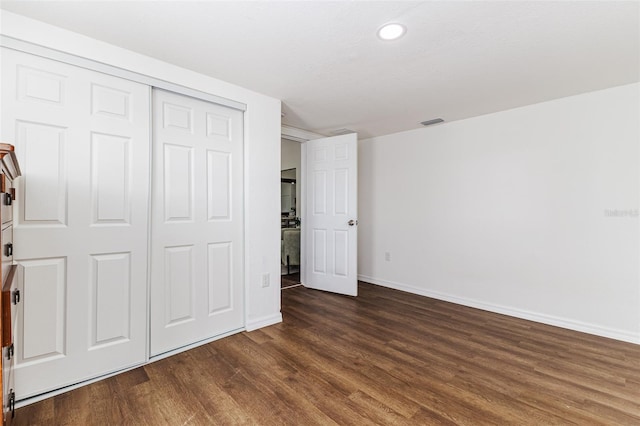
<point>81,235</point>
<point>110,316</point>
<point>110,179</point>
<point>46,192</point>
<point>197,282</point>
<point>44,285</point>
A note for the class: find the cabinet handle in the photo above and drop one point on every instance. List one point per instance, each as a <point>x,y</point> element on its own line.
<point>8,249</point>
<point>8,199</point>
<point>16,297</point>
<point>10,352</point>
<point>12,403</point>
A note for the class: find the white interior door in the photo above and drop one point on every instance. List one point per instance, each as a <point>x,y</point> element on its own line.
<point>197,282</point>
<point>330,214</point>
<point>80,238</point>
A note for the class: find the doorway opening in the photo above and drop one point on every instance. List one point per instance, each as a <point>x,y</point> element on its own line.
<point>326,208</point>
<point>290,225</point>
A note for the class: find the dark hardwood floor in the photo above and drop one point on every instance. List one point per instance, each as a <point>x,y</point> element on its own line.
<point>385,357</point>
<point>289,280</point>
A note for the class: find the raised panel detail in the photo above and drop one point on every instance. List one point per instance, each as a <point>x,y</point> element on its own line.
<point>218,125</point>
<point>341,252</point>
<point>41,86</point>
<point>219,277</point>
<point>218,185</point>
<point>110,102</point>
<point>320,154</point>
<point>341,152</point>
<point>178,183</point>
<point>43,320</point>
<point>320,251</point>
<point>110,308</point>
<point>179,284</point>
<point>110,179</point>
<point>177,117</point>
<point>320,192</point>
<point>341,192</point>
<point>44,173</point>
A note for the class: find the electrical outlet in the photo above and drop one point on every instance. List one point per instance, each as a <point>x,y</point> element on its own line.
<point>265,280</point>
<point>387,256</point>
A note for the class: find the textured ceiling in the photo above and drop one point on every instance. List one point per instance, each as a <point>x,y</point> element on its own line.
<point>323,60</point>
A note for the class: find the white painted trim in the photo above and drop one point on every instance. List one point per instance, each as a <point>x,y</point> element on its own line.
<point>147,347</point>
<point>246,270</point>
<point>264,322</point>
<point>67,58</point>
<point>570,324</point>
<point>302,212</point>
<point>298,135</point>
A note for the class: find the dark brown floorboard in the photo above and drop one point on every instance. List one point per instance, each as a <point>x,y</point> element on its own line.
<point>385,357</point>
<point>290,279</point>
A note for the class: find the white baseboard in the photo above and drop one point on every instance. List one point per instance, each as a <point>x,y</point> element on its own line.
<point>567,323</point>
<point>263,322</point>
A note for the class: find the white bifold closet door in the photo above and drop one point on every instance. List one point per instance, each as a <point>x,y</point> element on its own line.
<point>81,224</point>
<point>197,221</point>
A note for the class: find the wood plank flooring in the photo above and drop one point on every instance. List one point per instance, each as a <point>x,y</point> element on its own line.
<point>385,357</point>
<point>290,280</point>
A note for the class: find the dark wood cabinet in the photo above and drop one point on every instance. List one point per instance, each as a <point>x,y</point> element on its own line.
<point>10,295</point>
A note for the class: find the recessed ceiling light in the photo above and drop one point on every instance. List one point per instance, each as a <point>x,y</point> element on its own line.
<point>391,31</point>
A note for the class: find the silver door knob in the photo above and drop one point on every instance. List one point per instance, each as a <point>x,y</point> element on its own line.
<point>352,222</point>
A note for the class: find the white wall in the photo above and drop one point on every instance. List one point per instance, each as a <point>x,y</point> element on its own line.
<point>508,212</point>
<point>262,150</point>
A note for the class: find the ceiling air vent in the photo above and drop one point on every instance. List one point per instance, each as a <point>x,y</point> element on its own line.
<point>430,122</point>
<point>342,132</point>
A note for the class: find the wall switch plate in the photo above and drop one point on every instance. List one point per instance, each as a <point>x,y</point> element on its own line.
<point>265,280</point>
<point>387,256</point>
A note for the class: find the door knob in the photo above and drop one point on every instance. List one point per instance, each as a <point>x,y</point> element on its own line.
<point>352,222</point>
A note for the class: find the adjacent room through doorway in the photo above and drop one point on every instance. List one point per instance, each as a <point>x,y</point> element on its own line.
<point>290,191</point>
